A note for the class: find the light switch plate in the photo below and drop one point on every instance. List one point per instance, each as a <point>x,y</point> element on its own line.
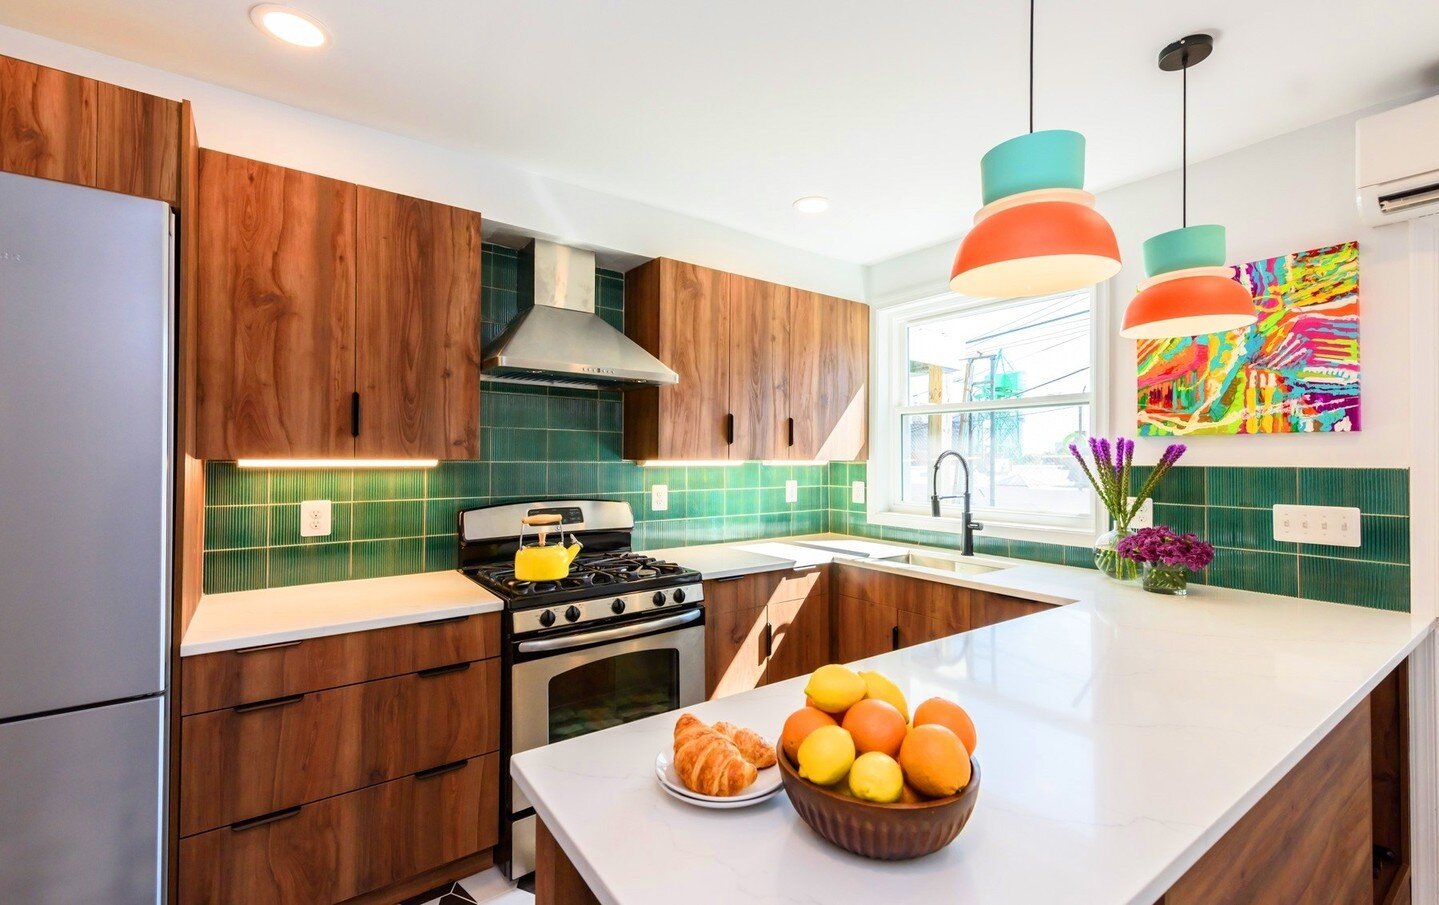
<point>791,491</point>
<point>1334,526</point>
<point>856,492</point>
<point>1144,518</point>
<point>315,518</point>
<point>659,497</point>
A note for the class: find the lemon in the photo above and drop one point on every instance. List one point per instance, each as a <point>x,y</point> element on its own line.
<point>876,777</point>
<point>825,755</point>
<point>834,689</point>
<point>877,685</point>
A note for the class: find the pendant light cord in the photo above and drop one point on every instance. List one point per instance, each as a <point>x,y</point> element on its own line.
<point>1031,67</point>
<point>1184,146</point>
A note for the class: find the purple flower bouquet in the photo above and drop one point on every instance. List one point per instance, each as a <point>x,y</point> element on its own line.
<point>1109,474</point>
<point>1167,558</point>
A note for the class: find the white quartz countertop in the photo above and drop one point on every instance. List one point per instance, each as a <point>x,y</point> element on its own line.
<point>1120,737</point>
<point>251,618</point>
<point>748,557</point>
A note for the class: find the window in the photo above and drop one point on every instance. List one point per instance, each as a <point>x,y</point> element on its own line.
<point>1009,384</point>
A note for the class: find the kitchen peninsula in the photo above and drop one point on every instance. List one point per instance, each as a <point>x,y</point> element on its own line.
<point>1123,736</point>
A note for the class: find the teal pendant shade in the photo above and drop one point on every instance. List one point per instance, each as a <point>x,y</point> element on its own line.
<point>1182,249</point>
<point>1052,159</point>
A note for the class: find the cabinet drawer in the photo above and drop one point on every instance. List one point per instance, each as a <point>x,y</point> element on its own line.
<point>344,846</point>
<point>212,681</point>
<point>930,599</point>
<point>239,763</point>
<point>743,592</point>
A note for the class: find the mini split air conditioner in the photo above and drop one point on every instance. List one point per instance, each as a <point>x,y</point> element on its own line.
<point>1397,163</point>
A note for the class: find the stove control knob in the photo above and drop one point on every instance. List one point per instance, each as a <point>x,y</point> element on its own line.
<point>618,606</point>
<point>679,595</point>
<point>547,619</point>
<point>572,613</point>
<point>659,598</point>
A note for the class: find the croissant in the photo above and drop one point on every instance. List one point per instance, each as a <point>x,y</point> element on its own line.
<point>749,743</point>
<point>707,762</point>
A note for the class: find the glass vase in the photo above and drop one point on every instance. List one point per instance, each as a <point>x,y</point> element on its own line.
<point>1162,579</point>
<point>1108,560</point>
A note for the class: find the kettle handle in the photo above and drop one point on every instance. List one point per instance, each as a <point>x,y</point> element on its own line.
<point>549,518</point>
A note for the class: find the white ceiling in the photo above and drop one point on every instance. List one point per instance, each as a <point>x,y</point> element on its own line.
<point>730,110</point>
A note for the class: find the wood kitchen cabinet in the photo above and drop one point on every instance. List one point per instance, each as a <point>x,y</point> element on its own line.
<point>335,320</point>
<point>862,628</point>
<point>56,125</point>
<point>766,372</point>
<point>765,627</point>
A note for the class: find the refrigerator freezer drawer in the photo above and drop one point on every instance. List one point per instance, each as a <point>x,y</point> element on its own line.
<point>81,806</point>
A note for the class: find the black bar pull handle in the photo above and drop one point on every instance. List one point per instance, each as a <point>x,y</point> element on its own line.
<point>259,647</point>
<point>442,769</point>
<point>355,414</point>
<point>449,621</point>
<point>768,639</point>
<point>791,432</point>
<point>894,638</point>
<point>263,819</point>
<point>729,429</point>
<point>442,670</point>
<point>266,705</point>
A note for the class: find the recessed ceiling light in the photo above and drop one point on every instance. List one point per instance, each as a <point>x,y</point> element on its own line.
<point>288,25</point>
<point>812,204</point>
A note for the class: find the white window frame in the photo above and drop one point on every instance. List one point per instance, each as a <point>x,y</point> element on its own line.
<point>888,404</point>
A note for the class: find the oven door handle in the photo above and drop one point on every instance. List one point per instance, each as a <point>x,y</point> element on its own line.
<point>545,645</point>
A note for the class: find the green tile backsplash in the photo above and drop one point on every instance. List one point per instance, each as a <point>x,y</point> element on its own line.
<point>547,442</point>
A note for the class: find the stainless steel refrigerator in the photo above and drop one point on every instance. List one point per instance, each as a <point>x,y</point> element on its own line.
<point>86,374</point>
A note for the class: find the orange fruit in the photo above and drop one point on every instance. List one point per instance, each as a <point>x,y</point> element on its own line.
<point>950,715</point>
<point>809,702</point>
<point>798,727</point>
<point>876,726</point>
<point>908,795</point>
<point>934,760</point>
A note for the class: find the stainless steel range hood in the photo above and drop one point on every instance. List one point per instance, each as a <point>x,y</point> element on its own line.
<point>561,340</point>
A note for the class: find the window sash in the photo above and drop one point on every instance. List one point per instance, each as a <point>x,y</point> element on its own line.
<point>995,405</point>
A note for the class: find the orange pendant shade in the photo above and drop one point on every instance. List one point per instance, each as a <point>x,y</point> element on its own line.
<point>1188,306</point>
<point>1035,249</point>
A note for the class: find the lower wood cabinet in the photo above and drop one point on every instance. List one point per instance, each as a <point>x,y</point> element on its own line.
<point>340,847</point>
<point>765,627</point>
<point>987,609</point>
<point>862,628</point>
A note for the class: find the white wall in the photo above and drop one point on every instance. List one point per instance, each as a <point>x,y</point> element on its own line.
<point>252,127</point>
<point>1290,193</point>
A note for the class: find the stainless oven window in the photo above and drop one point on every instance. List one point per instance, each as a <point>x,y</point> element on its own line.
<point>612,691</point>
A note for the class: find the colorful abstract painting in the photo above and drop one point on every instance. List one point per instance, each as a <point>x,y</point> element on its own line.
<point>1295,371</point>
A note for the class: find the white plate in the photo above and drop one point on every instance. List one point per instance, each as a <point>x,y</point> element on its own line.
<point>766,784</point>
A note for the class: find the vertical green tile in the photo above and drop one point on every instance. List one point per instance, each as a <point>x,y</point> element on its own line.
<point>1257,487</point>
<point>228,484</point>
<point>1269,573</point>
<point>1081,557</point>
<point>376,559</point>
<point>442,516</point>
<point>579,479</point>
<point>234,570</point>
<point>1378,585</point>
<point>1383,538</point>
<point>1378,491</point>
<point>299,484</point>
<point>573,414</point>
<point>441,553</point>
<point>744,475</point>
<point>1050,553</point>
<point>233,527</point>
<point>458,479</point>
<point>285,525</point>
<point>1181,485</point>
<point>572,446</point>
<point>619,477</point>
<point>372,521</point>
<point>515,480</point>
<point>705,477</point>
<point>1245,529</point>
<point>307,565</point>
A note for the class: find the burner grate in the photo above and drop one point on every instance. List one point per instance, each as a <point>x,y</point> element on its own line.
<point>594,570</point>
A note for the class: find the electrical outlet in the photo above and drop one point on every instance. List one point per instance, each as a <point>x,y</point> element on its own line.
<point>791,491</point>
<point>659,497</point>
<point>315,518</point>
<point>1334,526</point>
<point>1144,518</point>
<point>856,492</point>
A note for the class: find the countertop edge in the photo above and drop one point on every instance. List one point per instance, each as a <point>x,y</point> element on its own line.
<point>194,649</point>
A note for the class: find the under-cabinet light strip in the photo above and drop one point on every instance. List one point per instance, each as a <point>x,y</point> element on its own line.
<point>337,463</point>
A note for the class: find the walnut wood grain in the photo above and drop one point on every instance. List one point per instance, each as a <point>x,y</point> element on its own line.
<point>417,328</point>
<point>678,313</point>
<point>916,628</point>
<point>862,628</point>
<point>828,377</point>
<point>432,879</point>
<point>800,635</point>
<point>1307,842</point>
<point>137,143</point>
<point>230,678</point>
<point>930,599</point>
<point>735,650</point>
<point>348,845</point>
<point>47,122</point>
<point>277,311</point>
<point>1389,742</point>
<point>557,881</point>
<point>239,764</point>
<point>988,609</point>
<point>758,359</point>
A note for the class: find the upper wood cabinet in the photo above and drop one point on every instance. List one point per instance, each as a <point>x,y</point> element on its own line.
<point>277,311</point>
<point>335,320</point>
<point>417,328</point>
<point>766,371</point>
<point>65,127</point>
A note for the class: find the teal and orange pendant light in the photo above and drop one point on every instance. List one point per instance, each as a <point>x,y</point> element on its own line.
<point>1188,290</point>
<point>1038,232</point>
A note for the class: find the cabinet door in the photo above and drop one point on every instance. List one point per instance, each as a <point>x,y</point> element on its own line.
<point>862,629</point>
<point>829,377</point>
<point>735,643</point>
<point>678,313</point>
<point>137,144</point>
<point>758,366</point>
<point>799,636</point>
<point>276,310</point>
<point>417,328</point>
<point>916,628</point>
<point>987,609</point>
<point>47,122</point>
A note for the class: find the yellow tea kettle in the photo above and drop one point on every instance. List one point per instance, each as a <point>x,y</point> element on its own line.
<point>544,561</point>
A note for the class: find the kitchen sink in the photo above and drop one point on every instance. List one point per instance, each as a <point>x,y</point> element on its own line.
<point>944,563</point>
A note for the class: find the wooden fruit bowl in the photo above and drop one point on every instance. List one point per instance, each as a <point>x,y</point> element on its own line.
<point>889,832</point>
